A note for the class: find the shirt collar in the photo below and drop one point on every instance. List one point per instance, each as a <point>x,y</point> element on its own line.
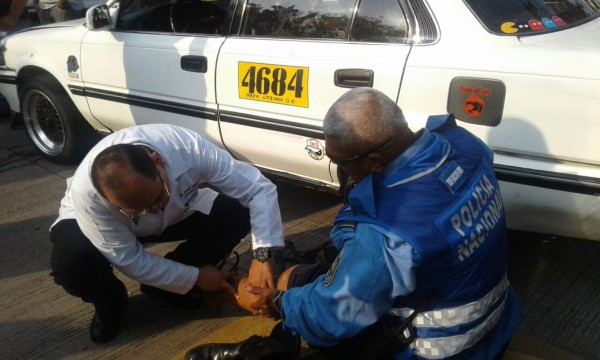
<point>362,199</point>
<point>424,138</point>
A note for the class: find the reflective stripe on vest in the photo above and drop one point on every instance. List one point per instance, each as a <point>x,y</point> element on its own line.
<point>456,315</point>
<point>442,347</point>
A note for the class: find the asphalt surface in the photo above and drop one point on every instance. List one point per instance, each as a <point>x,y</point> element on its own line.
<point>557,280</point>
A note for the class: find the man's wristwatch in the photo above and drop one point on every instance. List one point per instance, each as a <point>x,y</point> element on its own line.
<point>262,254</point>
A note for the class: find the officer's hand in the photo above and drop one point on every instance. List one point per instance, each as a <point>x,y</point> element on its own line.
<point>263,306</point>
<point>211,279</point>
<point>261,274</point>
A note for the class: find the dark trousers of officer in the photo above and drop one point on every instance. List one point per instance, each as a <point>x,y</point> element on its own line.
<point>85,273</point>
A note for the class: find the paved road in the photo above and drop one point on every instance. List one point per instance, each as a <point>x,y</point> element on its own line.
<point>557,280</point>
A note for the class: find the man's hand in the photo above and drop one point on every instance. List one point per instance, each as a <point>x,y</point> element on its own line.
<point>263,305</point>
<point>63,4</point>
<point>211,279</point>
<point>261,274</point>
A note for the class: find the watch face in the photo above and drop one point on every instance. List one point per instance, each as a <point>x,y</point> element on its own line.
<point>261,254</point>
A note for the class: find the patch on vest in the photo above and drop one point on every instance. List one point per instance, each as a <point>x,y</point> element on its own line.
<point>333,269</point>
<point>473,220</point>
<point>454,176</point>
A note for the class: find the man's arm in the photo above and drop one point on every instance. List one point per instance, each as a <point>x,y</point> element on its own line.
<point>10,20</point>
<point>245,183</point>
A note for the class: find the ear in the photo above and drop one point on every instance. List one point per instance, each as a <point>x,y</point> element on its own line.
<point>156,158</point>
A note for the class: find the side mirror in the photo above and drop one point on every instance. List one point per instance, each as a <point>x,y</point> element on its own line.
<point>97,17</point>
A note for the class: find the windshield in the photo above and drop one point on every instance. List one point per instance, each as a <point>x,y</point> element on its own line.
<point>526,17</point>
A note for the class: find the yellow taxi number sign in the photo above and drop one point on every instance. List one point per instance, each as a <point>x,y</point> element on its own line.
<point>286,85</point>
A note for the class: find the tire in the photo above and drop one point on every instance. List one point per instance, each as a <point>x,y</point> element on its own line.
<point>55,126</point>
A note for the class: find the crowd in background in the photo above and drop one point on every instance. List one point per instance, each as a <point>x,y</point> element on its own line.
<point>17,15</point>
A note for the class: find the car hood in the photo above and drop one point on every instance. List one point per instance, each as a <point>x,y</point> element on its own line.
<point>64,24</point>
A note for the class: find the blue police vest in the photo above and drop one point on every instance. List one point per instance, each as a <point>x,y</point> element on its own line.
<point>445,202</point>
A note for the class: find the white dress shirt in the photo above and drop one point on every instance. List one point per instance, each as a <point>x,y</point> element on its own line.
<point>73,4</point>
<point>189,160</point>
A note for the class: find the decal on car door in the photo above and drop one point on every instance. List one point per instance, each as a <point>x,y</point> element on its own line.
<point>315,149</point>
<point>279,84</point>
<point>477,101</point>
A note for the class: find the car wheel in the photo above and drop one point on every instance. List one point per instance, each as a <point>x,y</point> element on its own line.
<point>54,124</point>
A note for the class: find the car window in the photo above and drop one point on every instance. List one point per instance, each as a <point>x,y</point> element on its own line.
<point>380,21</point>
<point>327,19</point>
<point>376,20</point>
<point>180,16</point>
<point>526,17</point>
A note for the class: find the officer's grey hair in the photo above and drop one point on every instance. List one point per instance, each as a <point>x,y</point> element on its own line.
<point>363,118</point>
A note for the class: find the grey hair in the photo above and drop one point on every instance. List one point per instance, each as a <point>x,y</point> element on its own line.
<point>364,117</point>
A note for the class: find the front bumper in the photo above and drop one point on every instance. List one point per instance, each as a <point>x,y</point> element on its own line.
<point>8,89</point>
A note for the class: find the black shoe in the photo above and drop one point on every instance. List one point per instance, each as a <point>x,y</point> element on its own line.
<point>253,348</point>
<point>192,300</point>
<point>17,123</point>
<point>107,321</point>
<point>104,330</point>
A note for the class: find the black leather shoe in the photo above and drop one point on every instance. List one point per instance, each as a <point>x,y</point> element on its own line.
<point>253,348</point>
<point>280,345</point>
<point>107,321</point>
<point>192,300</point>
<point>104,330</point>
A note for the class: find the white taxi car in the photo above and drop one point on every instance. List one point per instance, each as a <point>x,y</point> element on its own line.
<point>257,77</point>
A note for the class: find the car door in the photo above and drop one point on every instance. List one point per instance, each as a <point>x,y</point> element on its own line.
<point>290,61</point>
<point>156,65</point>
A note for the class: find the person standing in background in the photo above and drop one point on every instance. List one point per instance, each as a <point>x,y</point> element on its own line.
<point>11,12</point>
<point>53,11</point>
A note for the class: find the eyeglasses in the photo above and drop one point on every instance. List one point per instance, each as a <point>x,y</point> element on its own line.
<point>157,204</point>
<point>342,162</point>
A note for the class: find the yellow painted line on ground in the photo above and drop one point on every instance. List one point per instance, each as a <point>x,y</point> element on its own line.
<point>235,331</point>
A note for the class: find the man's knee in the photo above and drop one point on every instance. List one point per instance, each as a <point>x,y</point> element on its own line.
<point>284,278</point>
<point>231,212</point>
<point>75,263</point>
<point>300,275</point>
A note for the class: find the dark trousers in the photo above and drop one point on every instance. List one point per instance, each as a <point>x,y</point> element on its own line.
<point>84,272</point>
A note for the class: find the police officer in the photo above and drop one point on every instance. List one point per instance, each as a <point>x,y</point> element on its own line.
<point>421,236</point>
<point>148,184</point>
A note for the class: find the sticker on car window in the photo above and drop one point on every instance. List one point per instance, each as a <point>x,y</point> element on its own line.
<point>279,84</point>
<point>510,27</point>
